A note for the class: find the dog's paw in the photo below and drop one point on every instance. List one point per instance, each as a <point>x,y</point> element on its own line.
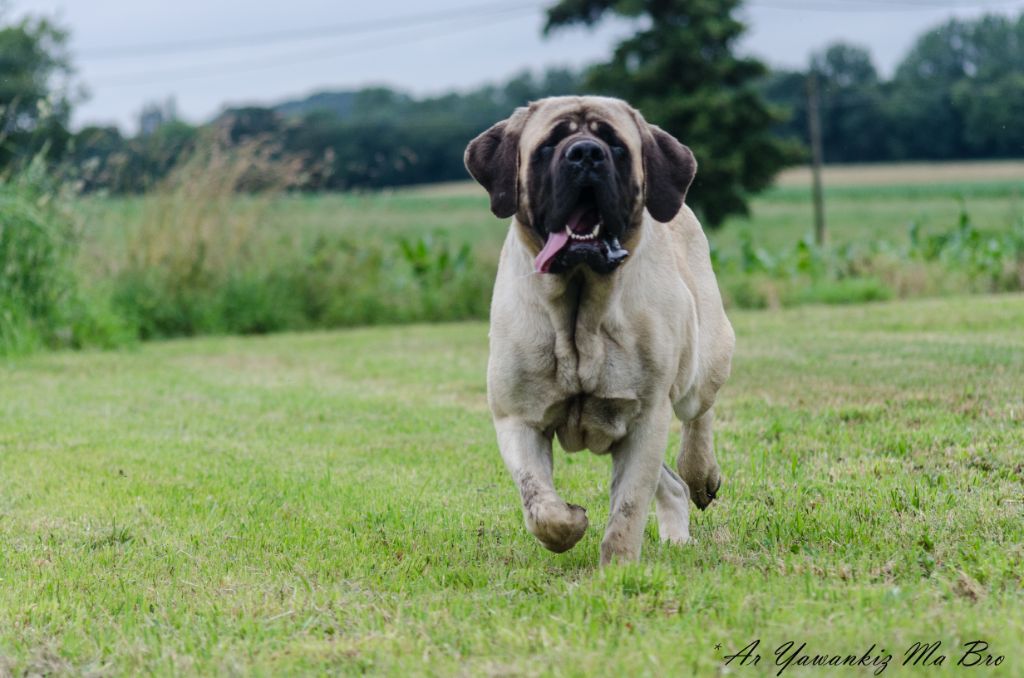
<point>704,483</point>
<point>678,540</point>
<point>557,525</point>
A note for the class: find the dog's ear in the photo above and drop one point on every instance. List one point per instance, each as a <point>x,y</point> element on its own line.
<point>669,168</point>
<point>493,160</point>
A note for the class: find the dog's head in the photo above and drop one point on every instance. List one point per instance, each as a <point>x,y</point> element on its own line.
<point>578,173</point>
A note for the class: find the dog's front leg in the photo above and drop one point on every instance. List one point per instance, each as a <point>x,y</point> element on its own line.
<point>527,454</point>
<point>636,468</point>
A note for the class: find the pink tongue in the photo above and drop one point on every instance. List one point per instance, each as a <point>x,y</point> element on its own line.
<point>556,241</point>
<point>554,245</point>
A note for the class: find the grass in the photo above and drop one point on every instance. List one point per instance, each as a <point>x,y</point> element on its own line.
<point>335,503</point>
<point>297,262</point>
<point>196,256</point>
<point>919,173</point>
<point>865,203</point>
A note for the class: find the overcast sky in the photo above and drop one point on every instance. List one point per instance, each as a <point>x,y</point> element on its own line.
<point>212,53</point>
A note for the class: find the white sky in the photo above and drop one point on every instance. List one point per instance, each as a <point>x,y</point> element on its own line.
<point>359,44</point>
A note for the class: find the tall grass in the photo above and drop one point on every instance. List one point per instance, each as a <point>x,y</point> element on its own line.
<point>198,240</point>
<point>41,301</point>
<point>33,246</point>
<point>206,258</point>
<point>207,252</point>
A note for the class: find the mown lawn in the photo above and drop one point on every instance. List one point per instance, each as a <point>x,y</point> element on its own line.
<point>335,503</point>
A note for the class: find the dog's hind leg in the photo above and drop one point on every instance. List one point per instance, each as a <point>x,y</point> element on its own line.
<point>696,461</point>
<point>672,506</point>
<point>527,454</point>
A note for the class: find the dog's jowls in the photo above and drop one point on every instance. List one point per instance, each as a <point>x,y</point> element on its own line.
<point>606,317</point>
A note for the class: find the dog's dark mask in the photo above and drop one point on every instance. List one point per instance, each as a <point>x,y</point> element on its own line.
<point>584,200</point>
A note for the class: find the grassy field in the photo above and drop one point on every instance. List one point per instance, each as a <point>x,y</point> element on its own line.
<point>196,258</point>
<point>864,203</point>
<point>335,503</point>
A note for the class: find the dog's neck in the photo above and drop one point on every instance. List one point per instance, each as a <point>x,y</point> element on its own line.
<point>581,296</point>
<point>583,308</point>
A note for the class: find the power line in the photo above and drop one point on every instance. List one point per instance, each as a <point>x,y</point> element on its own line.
<point>291,35</point>
<point>426,18</point>
<point>940,4</point>
<point>502,10</point>
<point>235,67</point>
<point>879,6</point>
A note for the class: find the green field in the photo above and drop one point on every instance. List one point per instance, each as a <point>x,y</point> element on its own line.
<point>182,263</point>
<point>864,204</point>
<point>332,503</point>
<point>199,259</point>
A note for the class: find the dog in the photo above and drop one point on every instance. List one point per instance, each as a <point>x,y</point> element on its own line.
<point>606,316</point>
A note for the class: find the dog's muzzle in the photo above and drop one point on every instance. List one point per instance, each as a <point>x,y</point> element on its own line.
<point>584,240</point>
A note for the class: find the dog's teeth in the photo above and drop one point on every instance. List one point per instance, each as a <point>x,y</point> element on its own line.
<point>591,236</point>
<point>584,236</point>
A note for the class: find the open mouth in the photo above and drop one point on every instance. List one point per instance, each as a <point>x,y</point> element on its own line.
<point>584,223</point>
<point>580,242</point>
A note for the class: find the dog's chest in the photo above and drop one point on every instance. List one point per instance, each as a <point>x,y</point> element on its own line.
<point>599,383</point>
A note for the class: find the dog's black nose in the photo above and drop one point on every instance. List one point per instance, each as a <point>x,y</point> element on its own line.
<point>584,153</point>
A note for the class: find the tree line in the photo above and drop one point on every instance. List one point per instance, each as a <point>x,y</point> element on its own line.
<point>958,94</point>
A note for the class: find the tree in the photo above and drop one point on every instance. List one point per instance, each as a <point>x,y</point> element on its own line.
<point>681,71</point>
<point>155,114</point>
<point>845,66</point>
<point>787,92</point>
<point>852,104</point>
<point>99,158</point>
<point>250,122</point>
<point>385,137</point>
<point>34,102</point>
<point>954,94</point>
<point>991,115</point>
<point>93,157</point>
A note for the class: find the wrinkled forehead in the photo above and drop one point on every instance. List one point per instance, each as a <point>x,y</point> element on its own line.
<point>581,115</point>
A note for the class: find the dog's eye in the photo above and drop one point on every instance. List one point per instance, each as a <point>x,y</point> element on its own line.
<point>546,150</point>
<point>618,151</point>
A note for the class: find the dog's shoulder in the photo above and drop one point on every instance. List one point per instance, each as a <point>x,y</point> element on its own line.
<point>716,336</point>
<point>692,254</point>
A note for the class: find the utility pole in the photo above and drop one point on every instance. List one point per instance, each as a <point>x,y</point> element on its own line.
<point>814,128</point>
